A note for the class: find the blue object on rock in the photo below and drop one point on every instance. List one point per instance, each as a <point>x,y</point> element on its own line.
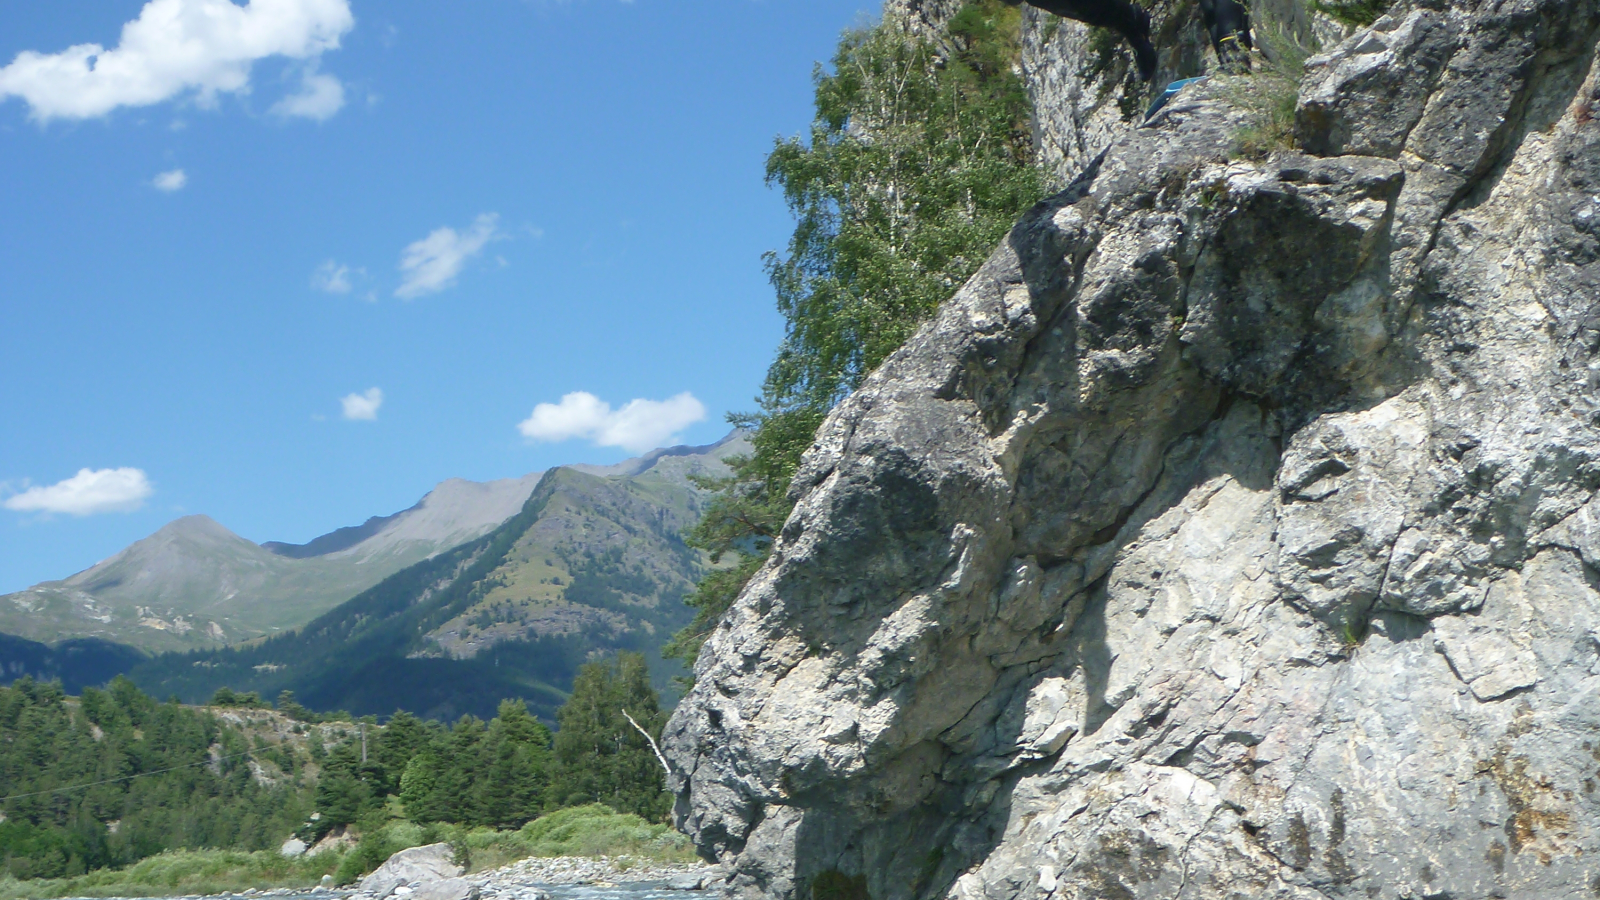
<point>1171,91</point>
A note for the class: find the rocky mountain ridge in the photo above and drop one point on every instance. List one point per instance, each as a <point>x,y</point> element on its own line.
<point>195,584</point>
<point>1229,534</point>
<point>593,562</point>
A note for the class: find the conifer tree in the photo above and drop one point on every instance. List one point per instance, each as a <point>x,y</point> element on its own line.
<point>600,756</point>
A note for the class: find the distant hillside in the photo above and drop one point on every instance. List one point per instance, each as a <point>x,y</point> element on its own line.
<point>77,664</point>
<point>195,584</point>
<point>594,562</point>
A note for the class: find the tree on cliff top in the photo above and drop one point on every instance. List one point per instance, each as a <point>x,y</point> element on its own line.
<point>918,162</point>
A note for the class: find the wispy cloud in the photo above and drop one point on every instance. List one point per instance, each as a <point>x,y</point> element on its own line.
<point>638,426</point>
<point>362,407</point>
<point>432,264</point>
<point>171,181</point>
<point>335,278</point>
<point>179,47</point>
<point>88,493</point>
<point>319,98</point>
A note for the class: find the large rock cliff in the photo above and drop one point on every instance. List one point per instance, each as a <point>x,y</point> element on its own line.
<point>1232,533</point>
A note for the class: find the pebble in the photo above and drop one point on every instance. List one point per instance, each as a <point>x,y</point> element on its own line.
<point>513,881</point>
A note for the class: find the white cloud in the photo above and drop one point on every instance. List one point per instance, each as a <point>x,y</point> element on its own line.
<point>432,264</point>
<point>175,47</point>
<point>320,97</point>
<point>88,493</point>
<point>334,278</point>
<point>362,407</point>
<point>639,426</point>
<point>171,181</point>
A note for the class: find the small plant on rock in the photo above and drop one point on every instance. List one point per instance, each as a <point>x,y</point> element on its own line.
<point>1270,93</point>
<point>1356,13</point>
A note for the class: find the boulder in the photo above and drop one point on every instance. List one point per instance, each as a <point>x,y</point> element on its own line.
<point>427,864</point>
<point>292,847</point>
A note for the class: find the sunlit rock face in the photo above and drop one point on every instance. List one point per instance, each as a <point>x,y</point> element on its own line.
<point>1232,533</point>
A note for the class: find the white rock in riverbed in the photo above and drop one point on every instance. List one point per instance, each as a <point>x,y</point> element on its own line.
<point>426,864</point>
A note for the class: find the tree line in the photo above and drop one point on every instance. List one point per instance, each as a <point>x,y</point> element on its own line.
<point>113,776</point>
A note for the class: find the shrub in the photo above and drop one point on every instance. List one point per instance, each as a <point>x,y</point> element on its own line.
<point>1271,92</point>
<point>1357,13</point>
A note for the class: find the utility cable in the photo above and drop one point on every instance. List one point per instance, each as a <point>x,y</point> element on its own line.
<point>76,787</point>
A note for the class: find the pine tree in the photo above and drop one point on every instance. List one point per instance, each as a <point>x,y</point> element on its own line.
<point>600,756</point>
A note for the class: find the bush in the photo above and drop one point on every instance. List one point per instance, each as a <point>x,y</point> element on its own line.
<point>1357,13</point>
<point>597,830</point>
<point>182,872</point>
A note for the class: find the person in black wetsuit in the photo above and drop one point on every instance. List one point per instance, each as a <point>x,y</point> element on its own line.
<point>1228,22</point>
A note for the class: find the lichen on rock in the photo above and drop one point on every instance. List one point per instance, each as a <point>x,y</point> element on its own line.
<point>1232,533</point>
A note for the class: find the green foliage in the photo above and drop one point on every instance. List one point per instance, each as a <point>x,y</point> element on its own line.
<point>226,697</point>
<point>186,872</point>
<point>600,757</point>
<point>597,830</point>
<point>168,777</point>
<point>494,775</point>
<point>915,167</point>
<point>1356,13</point>
<point>1271,93</point>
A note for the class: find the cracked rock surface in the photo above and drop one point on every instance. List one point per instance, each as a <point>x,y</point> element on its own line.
<point>1234,532</point>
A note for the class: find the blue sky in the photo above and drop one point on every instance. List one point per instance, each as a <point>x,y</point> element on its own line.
<point>291,264</point>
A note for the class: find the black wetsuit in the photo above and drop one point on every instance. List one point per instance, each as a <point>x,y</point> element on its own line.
<point>1228,22</point>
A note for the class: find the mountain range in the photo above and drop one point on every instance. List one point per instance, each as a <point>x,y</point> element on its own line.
<point>589,560</point>
<point>195,584</point>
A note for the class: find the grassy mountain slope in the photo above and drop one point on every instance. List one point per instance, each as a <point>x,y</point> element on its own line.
<point>195,584</point>
<point>593,563</point>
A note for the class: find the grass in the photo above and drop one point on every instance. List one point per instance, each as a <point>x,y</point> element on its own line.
<point>593,830</point>
<point>180,873</point>
<point>1356,13</point>
<point>1270,93</point>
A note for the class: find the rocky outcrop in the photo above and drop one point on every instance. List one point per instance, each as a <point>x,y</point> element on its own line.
<point>1232,533</point>
<point>1081,81</point>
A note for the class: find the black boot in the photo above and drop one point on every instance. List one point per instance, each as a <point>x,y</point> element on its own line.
<point>1144,53</point>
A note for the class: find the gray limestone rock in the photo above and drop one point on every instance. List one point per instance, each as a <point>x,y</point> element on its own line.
<point>446,889</point>
<point>1232,533</point>
<point>426,864</point>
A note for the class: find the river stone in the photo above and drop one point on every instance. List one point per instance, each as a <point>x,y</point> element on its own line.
<point>1231,533</point>
<point>446,889</point>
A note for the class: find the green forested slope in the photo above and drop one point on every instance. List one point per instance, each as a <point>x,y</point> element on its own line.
<point>208,792</point>
<point>593,563</point>
<point>113,776</point>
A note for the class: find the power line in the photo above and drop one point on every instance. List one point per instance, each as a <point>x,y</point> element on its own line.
<point>76,787</point>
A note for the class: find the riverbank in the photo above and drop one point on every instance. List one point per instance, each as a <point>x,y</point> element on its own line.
<point>188,873</point>
<point>524,879</point>
<point>518,879</point>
